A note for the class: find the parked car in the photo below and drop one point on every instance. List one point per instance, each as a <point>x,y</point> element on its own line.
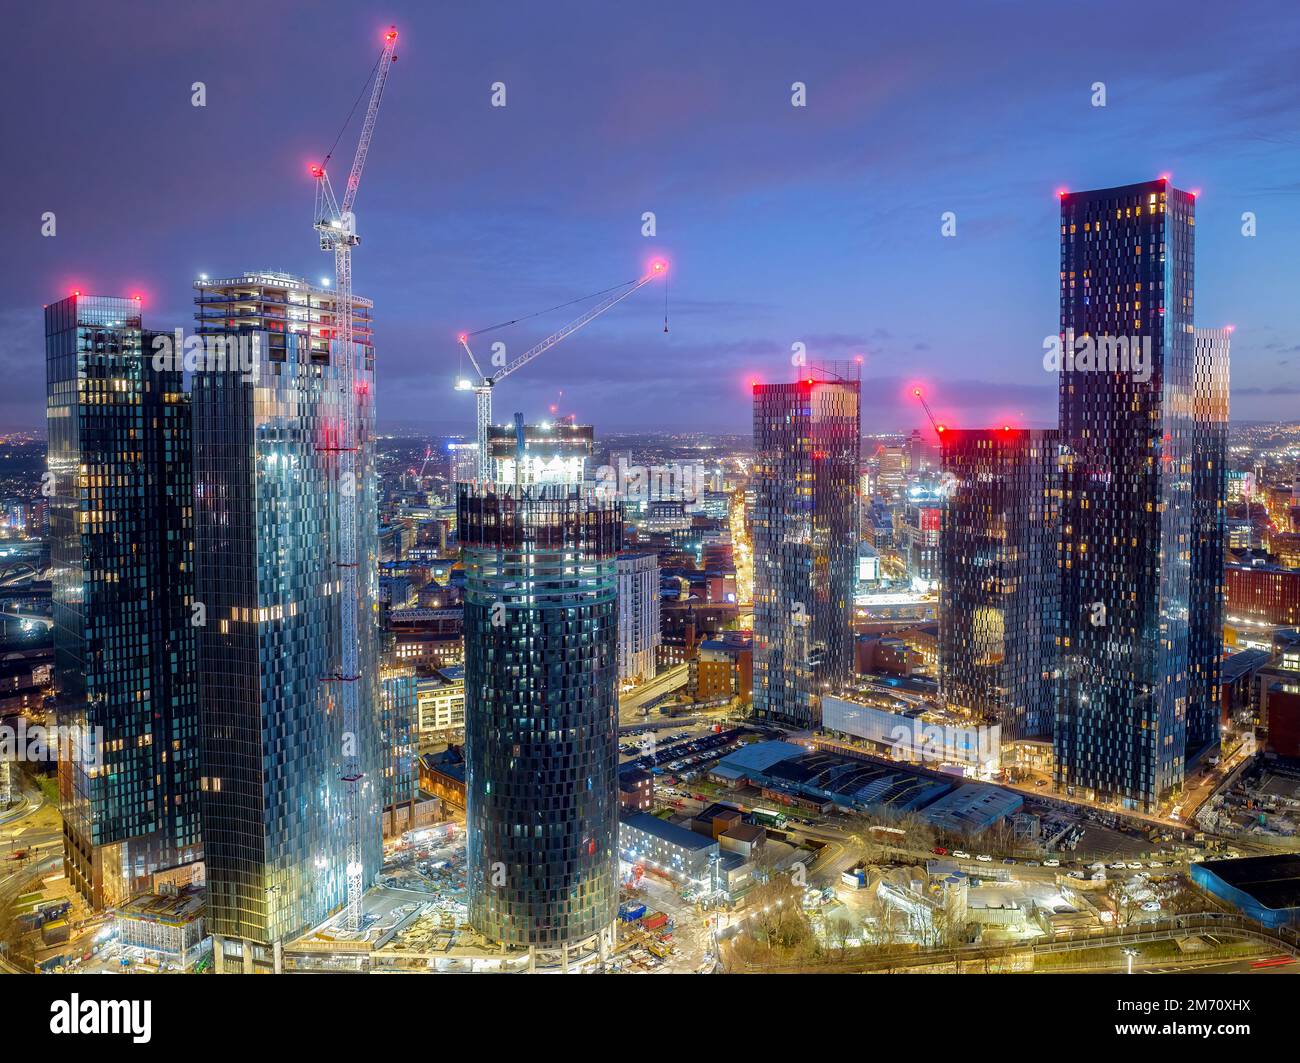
<point>1053,862</point>
<point>984,858</point>
<point>960,855</point>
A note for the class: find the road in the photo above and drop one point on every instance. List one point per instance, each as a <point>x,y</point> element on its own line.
<point>631,703</point>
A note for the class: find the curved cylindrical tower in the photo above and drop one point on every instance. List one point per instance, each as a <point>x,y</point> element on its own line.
<point>541,713</point>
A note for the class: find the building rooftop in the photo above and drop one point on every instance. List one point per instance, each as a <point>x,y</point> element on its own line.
<point>973,808</point>
<point>1239,664</point>
<point>1271,881</point>
<point>667,832</point>
<point>759,756</point>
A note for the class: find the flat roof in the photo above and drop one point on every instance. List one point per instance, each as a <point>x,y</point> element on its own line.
<point>671,833</point>
<point>1240,663</point>
<point>1272,881</point>
<point>759,756</point>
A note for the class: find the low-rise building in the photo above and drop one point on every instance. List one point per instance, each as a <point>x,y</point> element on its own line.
<point>675,852</point>
<point>170,926</point>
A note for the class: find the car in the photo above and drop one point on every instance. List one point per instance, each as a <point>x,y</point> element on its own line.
<point>1007,860</point>
<point>1118,865</point>
<point>1053,862</point>
<point>1134,865</point>
<point>1032,863</point>
<point>1076,874</point>
<point>984,858</point>
<point>1151,906</point>
<point>1155,863</point>
<point>960,855</point>
<point>939,850</point>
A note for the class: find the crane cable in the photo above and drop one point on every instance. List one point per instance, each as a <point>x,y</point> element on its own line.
<point>549,310</point>
<point>348,121</point>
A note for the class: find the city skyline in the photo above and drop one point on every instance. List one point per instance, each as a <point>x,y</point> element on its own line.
<point>833,240</point>
<point>396,588</point>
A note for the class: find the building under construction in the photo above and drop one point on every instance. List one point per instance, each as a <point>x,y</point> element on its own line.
<point>541,719</point>
<point>267,500</point>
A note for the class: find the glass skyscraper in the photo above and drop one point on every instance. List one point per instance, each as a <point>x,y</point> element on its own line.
<point>1209,531</point>
<point>122,554</point>
<point>806,439</point>
<point>1127,448</point>
<point>541,707</point>
<point>998,577</point>
<point>275,793</point>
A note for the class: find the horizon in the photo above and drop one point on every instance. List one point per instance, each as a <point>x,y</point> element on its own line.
<point>818,224</point>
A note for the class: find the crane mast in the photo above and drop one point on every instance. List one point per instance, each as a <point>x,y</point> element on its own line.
<point>338,233</point>
<point>483,389</point>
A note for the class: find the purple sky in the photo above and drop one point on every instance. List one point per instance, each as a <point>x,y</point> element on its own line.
<point>818,224</point>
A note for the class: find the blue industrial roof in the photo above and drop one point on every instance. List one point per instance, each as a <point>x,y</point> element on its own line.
<point>759,756</point>
<point>667,832</point>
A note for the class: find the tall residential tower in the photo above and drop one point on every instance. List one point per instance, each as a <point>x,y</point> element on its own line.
<point>1127,402</point>
<point>266,437</point>
<point>998,578</point>
<point>122,555</point>
<point>1209,531</point>
<point>806,439</point>
<point>541,709</point>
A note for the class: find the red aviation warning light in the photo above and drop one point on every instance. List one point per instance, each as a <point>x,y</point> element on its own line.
<point>316,170</point>
<point>391,36</point>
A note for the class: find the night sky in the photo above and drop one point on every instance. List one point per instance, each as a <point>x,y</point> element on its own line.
<point>818,224</point>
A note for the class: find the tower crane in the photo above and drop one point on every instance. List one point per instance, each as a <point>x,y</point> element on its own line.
<point>938,428</point>
<point>483,388</point>
<point>337,226</point>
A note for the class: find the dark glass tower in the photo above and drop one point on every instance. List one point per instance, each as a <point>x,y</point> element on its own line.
<point>541,708</point>
<point>806,439</point>
<point>275,798</point>
<point>998,579</point>
<point>1127,272</point>
<point>1209,531</point>
<point>122,554</point>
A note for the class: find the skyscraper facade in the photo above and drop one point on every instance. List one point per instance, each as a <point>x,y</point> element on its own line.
<point>266,431</point>
<point>806,439</point>
<point>541,708</point>
<point>1126,423</point>
<point>122,554</point>
<point>638,615</point>
<point>998,578</point>
<point>1209,532</point>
